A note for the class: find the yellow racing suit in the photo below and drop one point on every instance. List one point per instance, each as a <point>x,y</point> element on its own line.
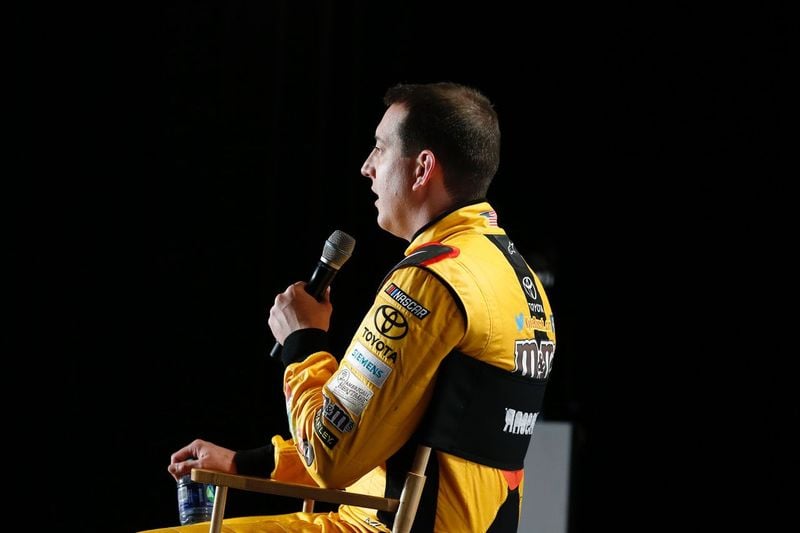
<point>462,289</point>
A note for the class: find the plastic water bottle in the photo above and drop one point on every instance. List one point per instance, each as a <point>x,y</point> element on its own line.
<point>195,501</point>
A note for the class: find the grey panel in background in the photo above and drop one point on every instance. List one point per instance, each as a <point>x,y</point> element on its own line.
<point>545,503</point>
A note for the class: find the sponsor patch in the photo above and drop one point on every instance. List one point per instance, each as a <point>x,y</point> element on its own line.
<point>521,270</point>
<point>324,434</point>
<point>400,296</point>
<point>307,451</point>
<point>519,422</point>
<point>336,415</point>
<point>532,322</point>
<point>529,286</point>
<point>377,345</point>
<point>535,308</point>
<point>371,522</point>
<point>534,358</point>
<point>491,216</point>
<point>390,322</point>
<point>368,364</point>
<point>350,391</point>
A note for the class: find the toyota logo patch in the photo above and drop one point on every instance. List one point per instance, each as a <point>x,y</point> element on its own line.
<point>390,322</point>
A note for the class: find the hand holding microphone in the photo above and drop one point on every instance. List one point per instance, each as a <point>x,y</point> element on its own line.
<point>337,250</point>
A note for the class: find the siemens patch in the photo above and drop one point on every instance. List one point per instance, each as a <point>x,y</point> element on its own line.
<point>398,295</point>
<point>368,365</point>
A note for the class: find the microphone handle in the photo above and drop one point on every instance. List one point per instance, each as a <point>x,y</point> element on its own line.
<point>320,280</point>
<point>276,350</point>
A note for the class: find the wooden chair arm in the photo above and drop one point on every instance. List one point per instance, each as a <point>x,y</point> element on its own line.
<point>293,490</point>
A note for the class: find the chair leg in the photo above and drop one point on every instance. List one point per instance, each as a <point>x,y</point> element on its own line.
<point>220,495</point>
<point>308,506</point>
<point>412,491</point>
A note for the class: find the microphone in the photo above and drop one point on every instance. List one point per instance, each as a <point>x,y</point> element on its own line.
<point>338,249</point>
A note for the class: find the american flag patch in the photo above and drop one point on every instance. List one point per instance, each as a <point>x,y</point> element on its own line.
<point>491,215</point>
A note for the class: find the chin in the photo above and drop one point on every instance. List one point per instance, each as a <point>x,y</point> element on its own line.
<point>385,223</point>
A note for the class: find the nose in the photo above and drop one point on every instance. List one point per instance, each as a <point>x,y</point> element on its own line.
<point>367,170</point>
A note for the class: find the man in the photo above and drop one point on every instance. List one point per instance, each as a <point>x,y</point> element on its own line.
<point>462,293</point>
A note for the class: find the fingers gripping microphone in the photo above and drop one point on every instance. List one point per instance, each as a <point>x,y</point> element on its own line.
<point>338,249</point>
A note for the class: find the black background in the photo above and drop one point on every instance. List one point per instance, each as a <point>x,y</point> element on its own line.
<point>174,167</point>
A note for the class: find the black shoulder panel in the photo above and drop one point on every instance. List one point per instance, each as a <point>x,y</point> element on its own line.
<point>427,254</point>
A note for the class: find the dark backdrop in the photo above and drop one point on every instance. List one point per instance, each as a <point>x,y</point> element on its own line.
<point>177,166</point>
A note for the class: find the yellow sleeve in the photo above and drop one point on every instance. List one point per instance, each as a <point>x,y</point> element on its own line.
<point>348,418</point>
<point>288,465</point>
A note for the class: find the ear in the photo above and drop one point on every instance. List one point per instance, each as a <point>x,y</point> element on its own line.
<point>423,171</point>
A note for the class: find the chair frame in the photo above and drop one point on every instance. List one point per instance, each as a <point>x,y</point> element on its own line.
<point>404,508</point>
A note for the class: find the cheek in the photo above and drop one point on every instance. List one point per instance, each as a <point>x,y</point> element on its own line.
<point>384,174</point>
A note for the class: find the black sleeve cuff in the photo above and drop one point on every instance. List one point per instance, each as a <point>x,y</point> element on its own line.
<point>255,462</point>
<point>302,343</point>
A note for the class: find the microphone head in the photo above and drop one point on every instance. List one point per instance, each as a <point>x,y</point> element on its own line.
<point>338,249</point>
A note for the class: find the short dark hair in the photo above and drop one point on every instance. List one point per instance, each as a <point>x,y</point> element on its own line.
<point>459,125</point>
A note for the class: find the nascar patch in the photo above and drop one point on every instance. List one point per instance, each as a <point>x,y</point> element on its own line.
<point>407,302</point>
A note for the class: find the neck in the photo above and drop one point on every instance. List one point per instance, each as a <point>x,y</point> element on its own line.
<point>429,211</point>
